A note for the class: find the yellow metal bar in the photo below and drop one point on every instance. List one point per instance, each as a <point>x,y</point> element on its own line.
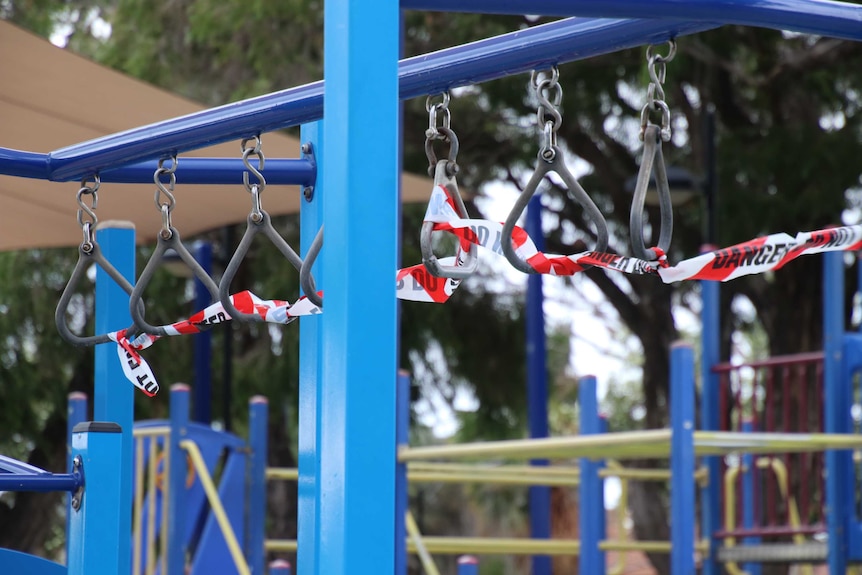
<point>497,546</point>
<point>137,511</point>
<point>491,478</point>
<point>542,470</point>
<point>282,473</point>
<point>152,431</point>
<point>647,546</point>
<point>216,506</point>
<point>623,445</point>
<point>280,545</point>
<point>730,514</point>
<point>416,537</point>
<point>152,469</point>
<point>724,442</point>
<point>783,479</point>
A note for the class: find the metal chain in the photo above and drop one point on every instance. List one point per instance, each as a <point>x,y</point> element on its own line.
<point>256,188</point>
<point>657,68</point>
<point>550,95</point>
<point>440,128</point>
<point>168,191</point>
<point>88,226</point>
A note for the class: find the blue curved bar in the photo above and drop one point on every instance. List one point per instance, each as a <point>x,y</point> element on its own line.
<point>562,41</point>
<point>821,17</point>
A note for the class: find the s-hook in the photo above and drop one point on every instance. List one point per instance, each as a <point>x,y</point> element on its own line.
<point>443,172</point>
<point>550,94</point>
<point>89,253</point>
<point>168,238</point>
<point>258,222</point>
<point>652,161</point>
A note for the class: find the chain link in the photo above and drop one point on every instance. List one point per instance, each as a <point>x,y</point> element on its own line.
<point>440,128</point>
<point>550,95</point>
<point>88,225</point>
<point>256,188</point>
<point>167,206</point>
<point>657,68</point>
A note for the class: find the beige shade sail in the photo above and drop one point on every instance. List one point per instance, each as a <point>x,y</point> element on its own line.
<point>51,98</point>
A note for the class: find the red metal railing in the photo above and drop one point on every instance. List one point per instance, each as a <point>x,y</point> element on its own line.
<point>781,394</point>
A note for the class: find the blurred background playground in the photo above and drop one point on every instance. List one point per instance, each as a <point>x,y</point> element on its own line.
<point>767,137</point>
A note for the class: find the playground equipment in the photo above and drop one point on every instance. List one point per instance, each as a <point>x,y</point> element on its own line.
<point>347,477</point>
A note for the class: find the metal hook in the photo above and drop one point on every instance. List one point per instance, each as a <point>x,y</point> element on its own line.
<point>86,257</point>
<point>163,244</point>
<point>447,135</point>
<point>261,161</point>
<point>306,280</point>
<point>653,160</point>
<point>471,261</point>
<point>252,229</point>
<point>543,168</point>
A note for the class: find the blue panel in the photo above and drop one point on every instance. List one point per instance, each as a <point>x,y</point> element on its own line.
<point>591,496</point>
<point>822,17</point>
<point>682,460</point>
<point>114,395</point>
<point>99,541</point>
<point>356,446</point>
<point>537,387</point>
<point>852,364</point>
<point>709,416</point>
<point>402,495</point>
<point>15,562</point>
<point>836,399</point>
<point>258,428</point>
<point>308,504</point>
<point>493,58</point>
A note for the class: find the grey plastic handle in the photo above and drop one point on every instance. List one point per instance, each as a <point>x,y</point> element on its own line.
<point>253,228</point>
<point>652,161</point>
<point>306,280</point>
<point>556,164</point>
<point>471,261</point>
<point>85,260</point>
<point>175,243</point>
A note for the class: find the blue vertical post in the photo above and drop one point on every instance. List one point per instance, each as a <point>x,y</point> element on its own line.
<point>749,475</point>
<point>402,437</point>
<point>98,542</point>
<point>177,480</point>
<point>682,462</point>
<point>356,446</point>
<point>76,413</point>
<point>113,396</point>
<point>537,387</point>
<point>591,494</point>
<point>278,567</point>
<point>258,423</point>
<point>202,388</point>
<point>709,415</point>
<point>308,503</point>
<point>468,565</point>
<point>835,405</point>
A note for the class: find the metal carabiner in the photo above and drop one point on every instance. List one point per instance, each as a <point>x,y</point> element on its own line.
<point>470,263</point>
<point>164,243</point>
<point>556,164</point>
<point>306,280</point>
<point>652,161</point>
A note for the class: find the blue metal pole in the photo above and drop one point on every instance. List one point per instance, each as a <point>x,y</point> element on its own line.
<point>402,438</point>
<point>177,464</point>
<point>113,396</point>
<point>537,387</point>
<point>76,413</point>
<point>202,342</point>
<point>835,404</point>
<point>482,61</point>
<point>468,565</point>
<point>258,417</point>
<point>749,474</point>
<point>308,503</point>
<point>709,416</point>
<point>682,459</point>
<point>822,17</point>
<point>223,171</point>
<point>98,538</point>
<point>591,496</point>
<point>357,431</point>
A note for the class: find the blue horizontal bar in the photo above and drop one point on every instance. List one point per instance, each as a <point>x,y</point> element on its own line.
<point>19,476</point>
<point>821,17</point>
<point>278,171</point>
<point>489,59</point>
